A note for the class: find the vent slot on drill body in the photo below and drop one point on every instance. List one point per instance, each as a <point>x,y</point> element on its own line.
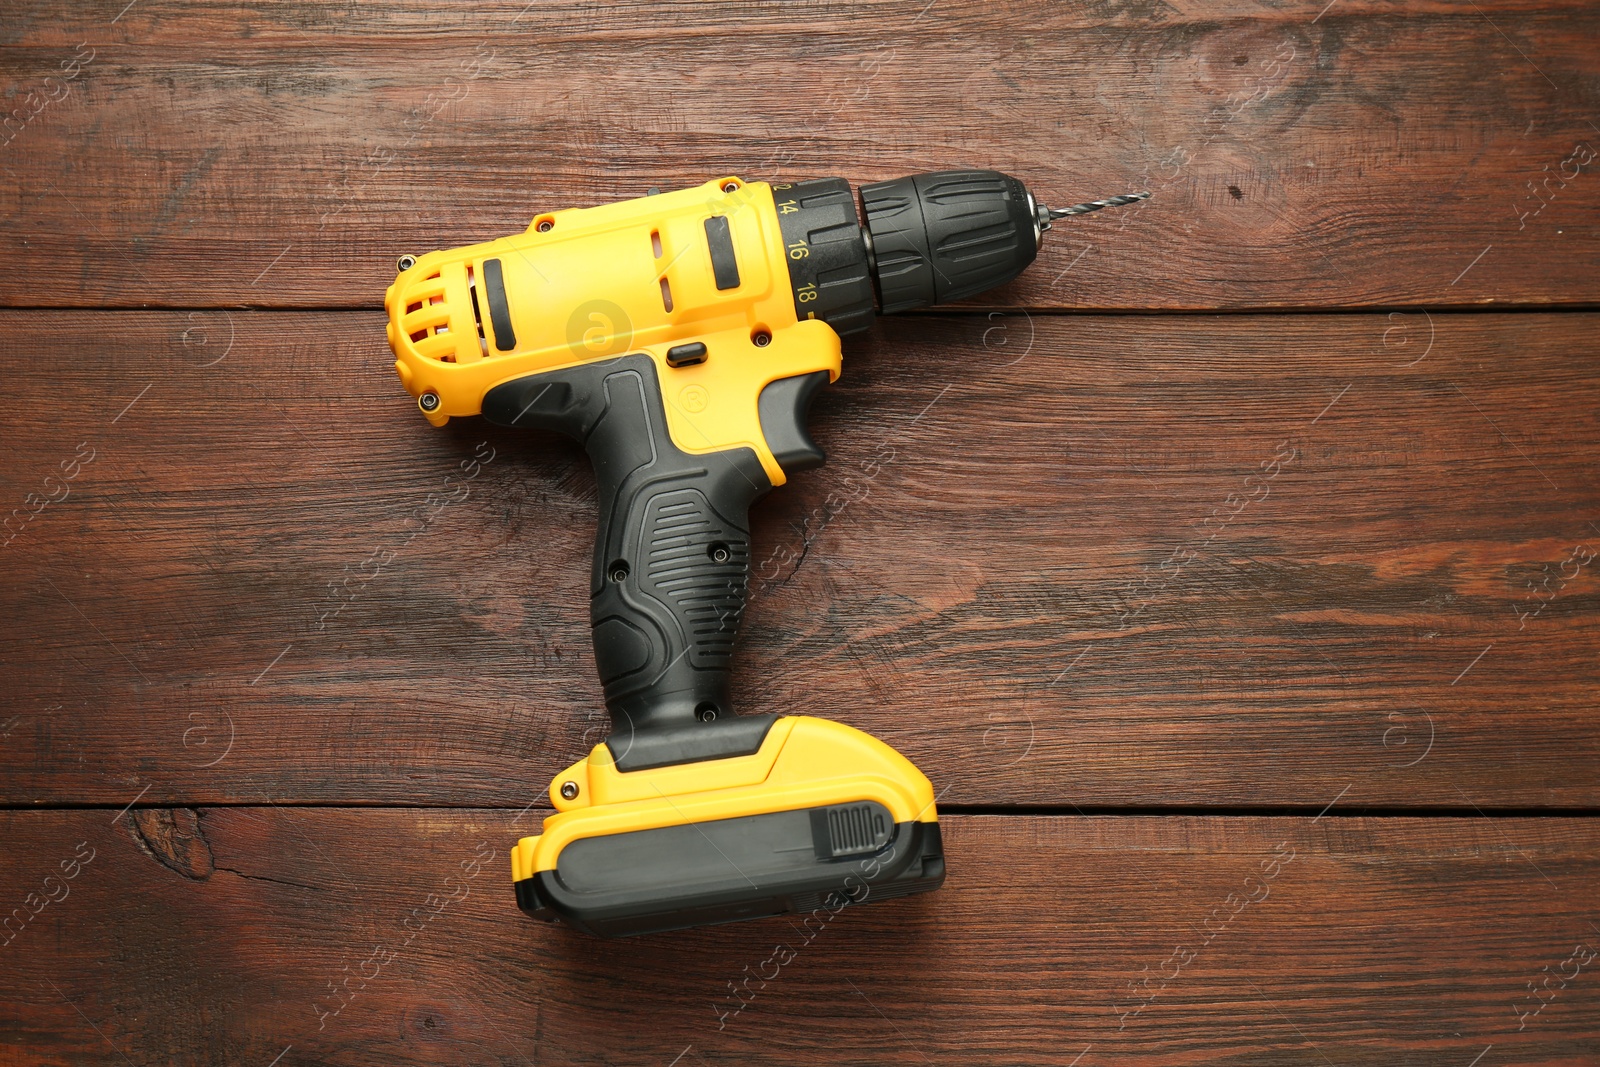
<point>443,319</point>
<point>428,318</point>
<point>477,312</point>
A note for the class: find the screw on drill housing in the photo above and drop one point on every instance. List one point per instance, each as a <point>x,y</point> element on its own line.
<point>405,263</point>
<point>428,401</point>
<point>569,790</point>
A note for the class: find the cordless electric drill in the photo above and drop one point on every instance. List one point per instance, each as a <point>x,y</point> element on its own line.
<point>681,338</point>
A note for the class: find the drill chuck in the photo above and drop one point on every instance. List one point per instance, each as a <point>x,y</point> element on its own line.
<point>926,239</point>
<point>947,235</point>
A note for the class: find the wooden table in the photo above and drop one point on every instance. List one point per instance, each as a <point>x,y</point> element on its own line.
<point>1232,574</point>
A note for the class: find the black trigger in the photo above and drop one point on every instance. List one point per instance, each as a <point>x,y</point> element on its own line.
<point>782,407</point>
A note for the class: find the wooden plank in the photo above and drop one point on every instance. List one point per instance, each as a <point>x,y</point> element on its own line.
<point>1054,561</point>
<point>233,935</point>
<point>1367,152</point>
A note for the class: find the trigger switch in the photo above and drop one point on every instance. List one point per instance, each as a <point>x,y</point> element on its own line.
<point>782,407</point>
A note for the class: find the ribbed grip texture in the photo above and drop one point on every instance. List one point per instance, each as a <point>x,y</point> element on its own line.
<point>681,532</point>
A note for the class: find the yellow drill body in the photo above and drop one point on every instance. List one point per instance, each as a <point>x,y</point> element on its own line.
<point>589,284</point>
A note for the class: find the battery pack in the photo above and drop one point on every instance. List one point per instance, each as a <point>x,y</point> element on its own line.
<point>821,815</point>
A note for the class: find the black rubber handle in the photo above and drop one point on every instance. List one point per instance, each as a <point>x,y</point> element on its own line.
<point>671,562</point>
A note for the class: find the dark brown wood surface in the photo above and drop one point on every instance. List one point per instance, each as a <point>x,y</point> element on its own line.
<point>1158,597</point>
<point>362,936</point>
<point>1301,154</point>
<point>1060,568</point>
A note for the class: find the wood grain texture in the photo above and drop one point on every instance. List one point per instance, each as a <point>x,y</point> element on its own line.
<point>289,670</point>
<point>1366,152</point>
<point>1368,942</point>
<point>1052,559</point>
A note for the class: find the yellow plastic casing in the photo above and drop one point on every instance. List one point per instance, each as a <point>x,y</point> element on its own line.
<point>802,763</point>
<point>589,284</point>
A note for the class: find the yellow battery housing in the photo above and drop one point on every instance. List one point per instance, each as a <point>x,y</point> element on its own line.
<point>820,815</point>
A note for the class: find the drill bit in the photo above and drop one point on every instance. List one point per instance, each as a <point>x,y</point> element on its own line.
<point>1096,205</point>
<point>1051,214</point>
